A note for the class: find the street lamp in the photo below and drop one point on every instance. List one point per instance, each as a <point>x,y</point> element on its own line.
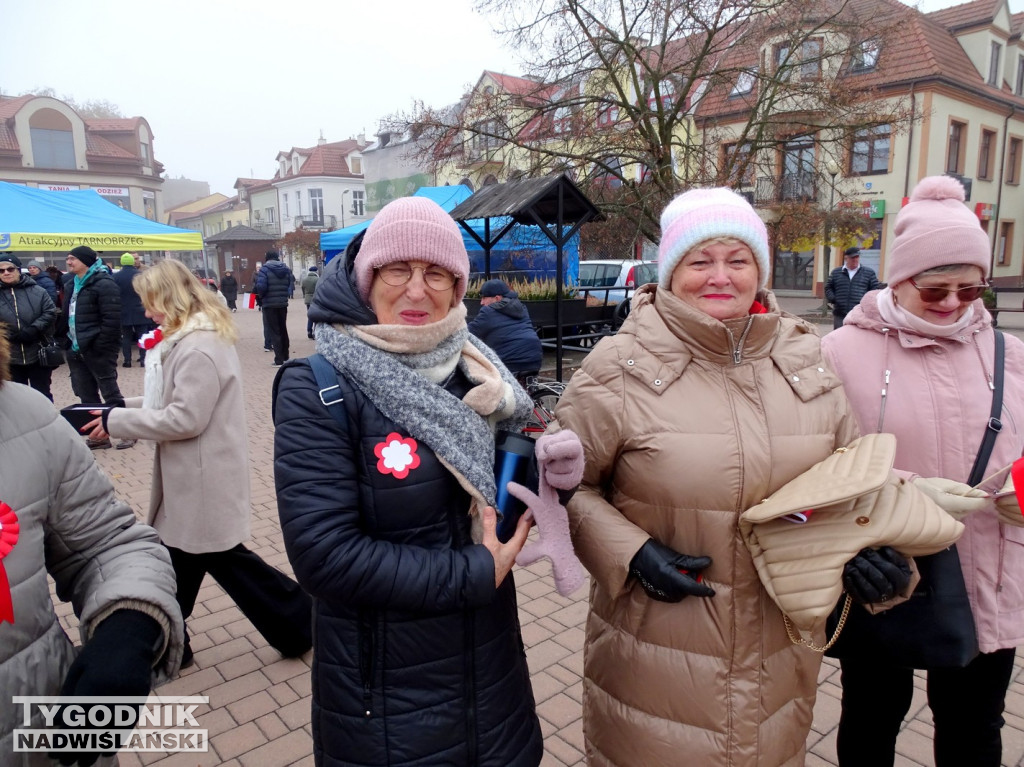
<point>832,168</point>
<point>343,207</point>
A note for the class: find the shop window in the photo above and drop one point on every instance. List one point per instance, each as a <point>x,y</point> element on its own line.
<point>1005,247</point>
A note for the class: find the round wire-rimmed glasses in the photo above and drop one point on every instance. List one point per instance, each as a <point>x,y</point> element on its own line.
<point>400,272</point>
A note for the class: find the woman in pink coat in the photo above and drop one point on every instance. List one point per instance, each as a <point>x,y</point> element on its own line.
<point>916,359</point>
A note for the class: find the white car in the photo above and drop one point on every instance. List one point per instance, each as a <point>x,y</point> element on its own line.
<point>627,274</point>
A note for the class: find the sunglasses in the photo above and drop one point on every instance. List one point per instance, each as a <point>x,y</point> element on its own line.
<point>11,269</point>
<point>934,295</point>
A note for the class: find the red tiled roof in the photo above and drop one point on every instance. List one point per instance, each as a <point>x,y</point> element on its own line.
<point>966,15</point>
<point>325,160</point>
<point>97,146</point>
<point>112,124</point>
<point>916,49</point>
<point>248,183</point>
<point>9,106</point>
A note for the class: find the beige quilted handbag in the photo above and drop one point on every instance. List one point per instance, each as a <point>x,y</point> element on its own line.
<point>857,502</point>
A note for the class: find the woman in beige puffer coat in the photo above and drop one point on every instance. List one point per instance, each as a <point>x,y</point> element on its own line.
<point>706,401</point>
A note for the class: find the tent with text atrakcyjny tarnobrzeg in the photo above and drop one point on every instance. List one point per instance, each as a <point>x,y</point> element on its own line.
<point>38,219</point>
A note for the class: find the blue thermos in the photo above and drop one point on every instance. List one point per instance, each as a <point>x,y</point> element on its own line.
<point>512,456</point>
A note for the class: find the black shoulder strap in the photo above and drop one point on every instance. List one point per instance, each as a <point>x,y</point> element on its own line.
<point>330,389</point>
<point>994,424</point>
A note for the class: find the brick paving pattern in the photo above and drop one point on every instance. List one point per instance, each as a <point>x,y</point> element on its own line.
<point>259,712</point>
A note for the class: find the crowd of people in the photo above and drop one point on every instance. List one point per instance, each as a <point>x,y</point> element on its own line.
<point>708,400</point>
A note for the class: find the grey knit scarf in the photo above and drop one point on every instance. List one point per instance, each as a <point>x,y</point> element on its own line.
<point>461,437</point>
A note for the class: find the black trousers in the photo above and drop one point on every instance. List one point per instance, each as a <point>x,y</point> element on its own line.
<point>95,374</point>
<point>231,302</point>
<point>275,604</point>
<point>276,322</point>
<point>35,375</point>
<point>838,319</point>
<point>130,335</point>
<point>967,708</point>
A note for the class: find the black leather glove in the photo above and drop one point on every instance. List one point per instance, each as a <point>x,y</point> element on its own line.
<point>876,575</point>
<point>29,335</point>
<point>667,575</point>
<point>117,661</point>
<point>15,335</point>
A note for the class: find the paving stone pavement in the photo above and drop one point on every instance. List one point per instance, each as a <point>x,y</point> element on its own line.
<point>259,712</point>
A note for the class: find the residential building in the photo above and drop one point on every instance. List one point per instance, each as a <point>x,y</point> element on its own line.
<point>959,71</point>
<point>321,187</point>
<point>45,143</point>
<point>260,197</point>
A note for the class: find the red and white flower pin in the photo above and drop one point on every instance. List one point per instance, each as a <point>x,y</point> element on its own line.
<point>396,455</point>
<point>151,339</point>
<point>8,537</point>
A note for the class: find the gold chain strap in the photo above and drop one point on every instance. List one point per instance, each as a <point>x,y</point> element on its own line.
<point>797,639</point>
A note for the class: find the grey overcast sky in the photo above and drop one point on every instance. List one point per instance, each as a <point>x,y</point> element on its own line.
<point>227,84</point>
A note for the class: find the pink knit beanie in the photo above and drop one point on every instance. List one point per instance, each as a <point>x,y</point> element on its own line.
<point>412,229</point>
<point>936,229</point>
<point>704,214</point>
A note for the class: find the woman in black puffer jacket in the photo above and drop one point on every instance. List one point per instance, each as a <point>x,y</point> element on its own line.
<point>387,518</point>
<point>29,314</point>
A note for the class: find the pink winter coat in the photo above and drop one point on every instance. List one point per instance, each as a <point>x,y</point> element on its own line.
<point>937,404</point>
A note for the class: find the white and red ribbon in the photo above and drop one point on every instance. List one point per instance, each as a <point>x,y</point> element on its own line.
<point>8,537</point>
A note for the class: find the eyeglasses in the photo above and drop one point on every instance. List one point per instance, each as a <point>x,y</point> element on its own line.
<point>400,272</point>
<point>11,269</point>
<point>934,295</point>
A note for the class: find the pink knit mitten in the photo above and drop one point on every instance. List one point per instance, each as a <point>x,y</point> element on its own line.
<point>560,461</point>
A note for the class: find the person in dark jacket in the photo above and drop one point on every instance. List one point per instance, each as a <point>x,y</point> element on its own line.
<point>274,282</point>
<point>229,288</point>
<point>308,289</point>
<point>43,280</point>
<point>134,323</point>
<point>388,520</point>
<point>92,316</point>
<point>57,276</point>
<point>29,314</point>
<point>848,284</point>
<point>503,323</point>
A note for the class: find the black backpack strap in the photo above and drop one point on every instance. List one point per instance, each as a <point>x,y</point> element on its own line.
<point>994,425</point>
<point>330,387</point>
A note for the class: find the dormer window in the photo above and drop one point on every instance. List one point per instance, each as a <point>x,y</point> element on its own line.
<point>355,164</point>
<point>865,55</point>
<point>993,64</point>
<point>282,167</point>
<point>745,82</point>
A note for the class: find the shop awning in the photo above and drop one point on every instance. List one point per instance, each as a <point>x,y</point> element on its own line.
<point>40,220</point>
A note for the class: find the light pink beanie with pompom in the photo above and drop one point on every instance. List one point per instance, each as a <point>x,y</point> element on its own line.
<point>936,229</point>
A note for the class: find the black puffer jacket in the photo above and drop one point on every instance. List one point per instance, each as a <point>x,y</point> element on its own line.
<point>505,326</point>
<point>274,284</point>
<point>97,313</point>
<point>844,293</point>
<point>29,313</point>
<point>419,659</point>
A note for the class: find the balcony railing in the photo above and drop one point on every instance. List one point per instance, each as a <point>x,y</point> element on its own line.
<point>786,188</point>
<point>316,222</point>
<point>267,227</point>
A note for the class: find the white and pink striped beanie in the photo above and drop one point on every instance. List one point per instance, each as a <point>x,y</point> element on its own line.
<point>700,215</point>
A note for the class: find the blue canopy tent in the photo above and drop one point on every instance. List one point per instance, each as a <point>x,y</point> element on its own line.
<point>40,220</point>
<point>525,251</point>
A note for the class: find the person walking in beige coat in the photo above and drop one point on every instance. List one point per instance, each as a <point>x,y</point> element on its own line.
<point>193,409</point>
<point>706,401</point>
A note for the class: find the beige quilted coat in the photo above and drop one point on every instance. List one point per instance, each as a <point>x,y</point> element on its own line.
<point>686,422</point>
